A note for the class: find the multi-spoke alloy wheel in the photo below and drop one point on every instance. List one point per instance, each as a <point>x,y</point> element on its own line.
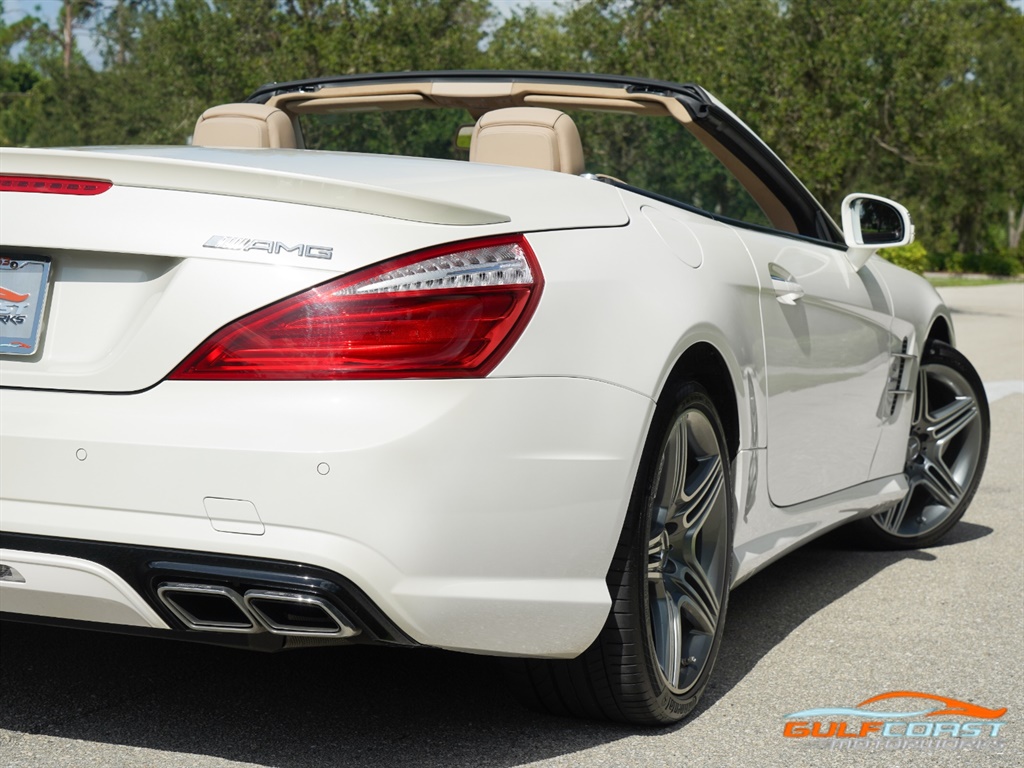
<point>669,582</point>
<point>687,549</point>
<point>946,452</point>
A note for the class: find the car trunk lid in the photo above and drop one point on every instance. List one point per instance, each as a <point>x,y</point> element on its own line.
<point>188,240</point>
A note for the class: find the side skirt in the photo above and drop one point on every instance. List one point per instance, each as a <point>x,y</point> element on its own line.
<point>764,532</point>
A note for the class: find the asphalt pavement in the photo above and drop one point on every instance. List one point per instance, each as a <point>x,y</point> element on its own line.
<point>828,626</point>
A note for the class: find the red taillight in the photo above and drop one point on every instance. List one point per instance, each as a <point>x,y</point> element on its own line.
<point>448,312</point>
<point>52,186</point>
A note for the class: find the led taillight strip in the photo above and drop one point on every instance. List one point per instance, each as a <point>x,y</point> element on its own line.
<point>51,185</point>
<point>450,311</point>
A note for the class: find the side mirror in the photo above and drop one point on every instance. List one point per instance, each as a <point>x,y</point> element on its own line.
<point>871,222</point>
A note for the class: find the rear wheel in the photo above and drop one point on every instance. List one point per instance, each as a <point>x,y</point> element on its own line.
<point>669,583</point>
<point>946,453</point>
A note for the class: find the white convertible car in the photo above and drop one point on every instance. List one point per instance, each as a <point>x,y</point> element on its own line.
<point>524,364</point>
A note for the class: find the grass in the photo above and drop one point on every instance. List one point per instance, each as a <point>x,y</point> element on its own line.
<point>952,280</point>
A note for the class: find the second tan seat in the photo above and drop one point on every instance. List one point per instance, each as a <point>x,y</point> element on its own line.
<point>530,137</point>
<point>248,126</point>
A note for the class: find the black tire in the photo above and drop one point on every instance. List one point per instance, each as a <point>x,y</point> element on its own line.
<point>651,662</point>
<point>946,453</point>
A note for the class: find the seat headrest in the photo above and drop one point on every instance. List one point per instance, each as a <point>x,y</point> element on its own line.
<point>244,125</point>
<point>531,137</point>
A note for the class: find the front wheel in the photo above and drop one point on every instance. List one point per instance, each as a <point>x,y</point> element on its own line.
<point>946,453</point>
<point>669,583</point>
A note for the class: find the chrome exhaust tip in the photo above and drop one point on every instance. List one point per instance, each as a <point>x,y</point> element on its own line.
<point>297,614</point>
<point>208,607</point>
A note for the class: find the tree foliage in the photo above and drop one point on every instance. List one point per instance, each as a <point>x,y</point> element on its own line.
<point>920,100</point>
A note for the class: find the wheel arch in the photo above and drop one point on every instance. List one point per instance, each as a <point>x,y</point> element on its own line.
<point>703,364</point>
<point>940,330</point>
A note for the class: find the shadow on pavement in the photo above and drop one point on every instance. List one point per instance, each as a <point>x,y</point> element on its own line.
<point>766,609</point>
<point>367,706</point>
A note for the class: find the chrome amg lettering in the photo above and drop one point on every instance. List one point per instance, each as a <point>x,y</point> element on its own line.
<point>317,251</point>
<point>261,245</point>
<point>305,250</point>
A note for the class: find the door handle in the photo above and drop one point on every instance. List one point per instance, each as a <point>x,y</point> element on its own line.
<point>787,290</point>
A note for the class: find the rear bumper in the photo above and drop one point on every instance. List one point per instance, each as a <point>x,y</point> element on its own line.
<point>475,515</point>
<point>117,585</point>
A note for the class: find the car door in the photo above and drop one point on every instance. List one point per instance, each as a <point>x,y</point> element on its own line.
<point>828,350</point>
<point>825,325</point>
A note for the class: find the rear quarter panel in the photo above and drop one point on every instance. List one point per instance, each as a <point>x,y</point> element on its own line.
<point>621,305</point>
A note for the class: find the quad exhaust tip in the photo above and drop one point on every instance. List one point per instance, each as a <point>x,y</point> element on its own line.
<point>209,607</point>
<point>216,608</point>
<point>292,613</point>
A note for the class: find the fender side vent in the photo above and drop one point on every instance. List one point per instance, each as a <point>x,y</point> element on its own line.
<point>896,387</point>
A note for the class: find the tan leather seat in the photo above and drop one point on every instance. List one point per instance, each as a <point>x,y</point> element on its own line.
<point>531,137</point>
<point>250,126</point>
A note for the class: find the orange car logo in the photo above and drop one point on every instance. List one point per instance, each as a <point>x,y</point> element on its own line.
<point>870,720</point>
<point>17,298</point>
<point>952,706</point>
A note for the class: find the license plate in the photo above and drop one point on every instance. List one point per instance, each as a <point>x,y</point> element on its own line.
<point>23,284</point>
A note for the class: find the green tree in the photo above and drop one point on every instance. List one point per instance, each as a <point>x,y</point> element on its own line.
<point>916,99</point>
<point>17,79</point>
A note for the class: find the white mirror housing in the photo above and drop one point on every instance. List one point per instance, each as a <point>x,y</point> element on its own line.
<point>871,222</point>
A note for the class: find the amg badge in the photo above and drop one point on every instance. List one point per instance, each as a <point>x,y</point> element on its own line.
<point>270,246</point>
